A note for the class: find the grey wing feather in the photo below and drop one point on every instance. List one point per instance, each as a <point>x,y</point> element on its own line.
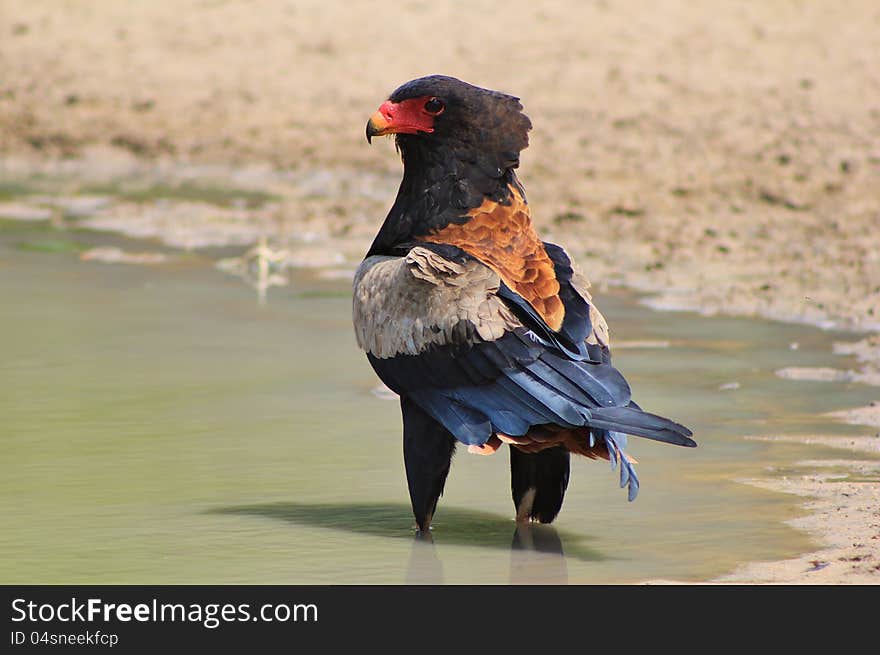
<point>403,305</point>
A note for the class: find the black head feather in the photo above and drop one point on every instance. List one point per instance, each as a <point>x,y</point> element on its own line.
<point>469,156</point>
<point>477,124</point>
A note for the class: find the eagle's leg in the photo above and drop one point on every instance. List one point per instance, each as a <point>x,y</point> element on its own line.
<point>427,453</point>
<point>538,482</point>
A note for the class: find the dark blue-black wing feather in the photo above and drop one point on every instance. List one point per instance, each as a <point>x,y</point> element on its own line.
<point>530,376</point>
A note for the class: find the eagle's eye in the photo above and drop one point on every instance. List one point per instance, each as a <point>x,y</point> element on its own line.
<point>434,106</point>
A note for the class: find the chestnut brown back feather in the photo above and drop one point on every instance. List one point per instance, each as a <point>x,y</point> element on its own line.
<point>503,238</point>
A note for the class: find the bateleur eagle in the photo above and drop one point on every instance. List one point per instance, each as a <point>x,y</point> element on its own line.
<point>488,334</point>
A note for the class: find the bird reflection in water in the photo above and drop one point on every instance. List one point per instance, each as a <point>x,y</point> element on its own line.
<point>425,567</point>
<point>536,557</point>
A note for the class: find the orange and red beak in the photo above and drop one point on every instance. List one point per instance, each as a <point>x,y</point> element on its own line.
<point>380,123</point>
<point>405,117</point>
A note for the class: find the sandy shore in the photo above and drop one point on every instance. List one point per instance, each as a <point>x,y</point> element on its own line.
<point>724,157</point>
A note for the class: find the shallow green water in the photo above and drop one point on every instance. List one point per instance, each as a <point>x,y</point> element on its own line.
<point>159,426</point>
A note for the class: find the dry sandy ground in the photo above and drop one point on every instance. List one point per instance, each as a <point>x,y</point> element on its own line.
<point>725,156</point>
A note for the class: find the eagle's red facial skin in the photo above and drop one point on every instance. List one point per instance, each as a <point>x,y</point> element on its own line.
<point>405,117</point>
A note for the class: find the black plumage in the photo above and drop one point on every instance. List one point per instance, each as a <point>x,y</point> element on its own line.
<point>487,333</point>
<point>454,168</point>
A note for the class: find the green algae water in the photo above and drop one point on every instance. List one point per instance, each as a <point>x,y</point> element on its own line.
<point>159,425</point>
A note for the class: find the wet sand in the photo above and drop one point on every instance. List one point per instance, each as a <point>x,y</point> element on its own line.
<point>725,158</point>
